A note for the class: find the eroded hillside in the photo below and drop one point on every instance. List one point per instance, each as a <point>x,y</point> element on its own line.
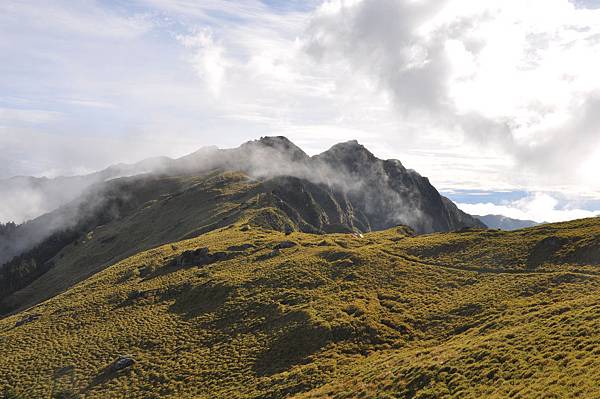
<point>251,312</point>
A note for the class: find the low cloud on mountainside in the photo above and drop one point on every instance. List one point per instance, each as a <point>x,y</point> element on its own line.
<point>540,207</point>
<point>364,192</point>
<point>473,94</point>
<point>498,73</point>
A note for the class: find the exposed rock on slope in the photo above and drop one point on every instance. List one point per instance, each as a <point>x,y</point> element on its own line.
<point>380,193</point>
<point>376,193</point>
<point>388,193</point>
<point>268,182</point>
<point>447,315</point>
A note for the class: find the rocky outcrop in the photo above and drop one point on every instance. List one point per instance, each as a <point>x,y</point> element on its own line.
<point>347,188</point>
<point>200,257</point>
<point>122,363</point>
<point>269,183</point>
<point>28,319</point>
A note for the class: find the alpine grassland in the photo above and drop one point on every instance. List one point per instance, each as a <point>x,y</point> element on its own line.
<point>245,311</point>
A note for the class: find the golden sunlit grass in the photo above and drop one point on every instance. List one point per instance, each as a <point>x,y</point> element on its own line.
<point>467,314</point>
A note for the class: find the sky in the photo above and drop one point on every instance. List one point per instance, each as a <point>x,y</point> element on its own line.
<point>498,103</point>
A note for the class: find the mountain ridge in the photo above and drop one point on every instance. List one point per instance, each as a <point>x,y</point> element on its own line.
<point>261,272</point>
<point>269,183</point>
<point>505,223</point>
<point>277,156</point>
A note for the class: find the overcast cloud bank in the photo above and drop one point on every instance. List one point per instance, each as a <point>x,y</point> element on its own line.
<point>472,93</point>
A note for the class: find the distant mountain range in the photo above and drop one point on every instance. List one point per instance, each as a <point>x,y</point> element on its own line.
<point>24,198</point>
<point>505,223</point>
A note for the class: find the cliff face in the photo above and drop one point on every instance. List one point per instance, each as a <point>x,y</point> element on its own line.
<point>268,182</point>
<point>388,193</point>
<point>345,188</point>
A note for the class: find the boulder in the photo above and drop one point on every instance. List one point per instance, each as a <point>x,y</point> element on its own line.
<point>274,253</point>
<point>269,255</point>
<point>217,256</point>
<point>285,244</point>
<point>122,363</point>
<point>27,319</point>
<point>197,256</point>
<point>240,248</point>
<point>200,257</point>
<point>146,270</point>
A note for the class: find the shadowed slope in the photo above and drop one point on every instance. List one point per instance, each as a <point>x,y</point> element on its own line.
<point>383,191</point>
<point>331,315</point>
<point>148,211</point>
<point>268,182</point>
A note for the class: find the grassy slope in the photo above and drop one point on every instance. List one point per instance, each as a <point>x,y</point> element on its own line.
<point>172,208</point>
<point>443,315</point>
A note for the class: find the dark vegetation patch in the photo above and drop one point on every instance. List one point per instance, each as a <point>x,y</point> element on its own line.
<point>320,321</point>
<point>545,250</point>
<point>585,252</point>
<point>23,269</point>
<point>553,281</point>
<point>241,247</point>
<point>192,301</point>
<point>297,336</point>
<point>332,256</point>
<point>469,309</point>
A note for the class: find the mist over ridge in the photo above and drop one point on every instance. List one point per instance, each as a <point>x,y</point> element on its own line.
<point>373,194</point>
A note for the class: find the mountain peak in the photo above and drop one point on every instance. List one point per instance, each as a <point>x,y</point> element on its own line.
<point>505,223</point>
<point>351,146</point>
<point>351,154</point>
<point>276,140</point>
<point>279,143</point>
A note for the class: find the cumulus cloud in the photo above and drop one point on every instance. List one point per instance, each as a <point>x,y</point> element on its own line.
<point>208,58</point>
<point>409,79</point>
<point>539,207</point>
<point>506,78</point>
<point>383,40</point>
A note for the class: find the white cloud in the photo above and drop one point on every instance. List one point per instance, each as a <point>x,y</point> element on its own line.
<point>511,81</point>
<point>28,116</point>
<point>407,78</point>
<point>87,18</point>
<point>539,207</point>
<point>90,103</point>
<point>208,58</point>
